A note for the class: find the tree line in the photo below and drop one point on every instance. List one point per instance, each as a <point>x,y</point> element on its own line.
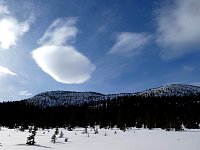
<point>128,111</point>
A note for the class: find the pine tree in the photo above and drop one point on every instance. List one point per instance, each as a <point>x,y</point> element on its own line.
<point>21,128</point>
<point>61,134</point>
<point>96,131</point>
<point>85,131</point>
<point>66,139</point>
<point>30,129</point>
<point>53,138</point>
<point>31,138</point>
<point>105,134</point>
<point>57,131</point>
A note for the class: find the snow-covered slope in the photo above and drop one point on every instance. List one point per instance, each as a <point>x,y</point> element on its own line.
<point>172,90</point>
<point>132,139</point>
<point>63,98</point>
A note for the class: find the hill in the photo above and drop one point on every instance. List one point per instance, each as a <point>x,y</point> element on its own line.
<point>64,98</point>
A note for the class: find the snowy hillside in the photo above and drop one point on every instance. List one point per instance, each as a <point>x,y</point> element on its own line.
<point>172,90</point>
<point>63,98</point>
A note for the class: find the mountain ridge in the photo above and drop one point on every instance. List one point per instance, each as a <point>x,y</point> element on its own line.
<point>64,98</point>
<point>172,90</point>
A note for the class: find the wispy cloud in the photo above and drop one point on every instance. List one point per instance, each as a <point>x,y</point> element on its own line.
<point>187,68</point>
<point>61,31</point>
<point>3,8</point>
<point>178,27</point>
<point>25,93</point>
<point>58,58</point>
<point>5,72</point>
<point>129,43</point>
<point>11,28</point>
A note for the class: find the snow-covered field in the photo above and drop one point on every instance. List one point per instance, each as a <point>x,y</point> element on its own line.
<point>132,139</point>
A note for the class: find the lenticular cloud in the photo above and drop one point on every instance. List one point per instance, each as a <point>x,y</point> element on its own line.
<point>58,58</point>
<point>64,64</point>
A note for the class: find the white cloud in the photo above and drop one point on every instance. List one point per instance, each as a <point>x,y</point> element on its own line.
<point>58,58</point>
<point>178,27</point>
<point>61,31</point>
<point>3,9</point>
<point>129,43</point>
<point>25,93</point>
<point>10,28</point>
<point>65,64</point>
<point>5,71</point>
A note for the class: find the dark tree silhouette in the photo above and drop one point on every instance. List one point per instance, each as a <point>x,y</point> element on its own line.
<point>31,138</point>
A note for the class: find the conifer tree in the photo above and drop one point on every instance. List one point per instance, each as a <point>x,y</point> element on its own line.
<point>30,129</point>
<point>57,131</point>
<point>105,134</point>
<point>31,138</point>
<point>85,130</point>
<point>66,139</point>
<point>96,131</point>
<point>53,138</point>
<point>61,134</point>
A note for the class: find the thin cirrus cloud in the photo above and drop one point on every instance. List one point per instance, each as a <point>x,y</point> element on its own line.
<point>178,27</point>
<point>58,58</point>
<point>25,93</point>
<point>129,43</point>
<point>188,68</point>
<point>10,28</point>
<point>6,72</point>
<point>60,32</point>
<point>3,9</point>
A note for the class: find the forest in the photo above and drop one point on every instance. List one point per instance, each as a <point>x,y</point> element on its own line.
<point>128,111</point>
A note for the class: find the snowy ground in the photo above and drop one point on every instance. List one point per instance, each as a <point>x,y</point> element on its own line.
<point>132,139</point>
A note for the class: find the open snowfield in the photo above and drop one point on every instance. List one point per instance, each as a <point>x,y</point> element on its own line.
<point>132,139</point>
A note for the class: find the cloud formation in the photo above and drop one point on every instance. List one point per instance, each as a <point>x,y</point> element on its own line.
<point>25,93</point>
<point>129,43</point>
<point>58,58</point>
<point>5,72</point>
<point>3,9</point>
<point>178,27</point>
<point>188,68</point>
<point>65,64</point>
<point>60,32</point>
<point>10,28</point>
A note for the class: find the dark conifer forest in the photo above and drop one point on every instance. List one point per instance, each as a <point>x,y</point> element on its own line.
<point>128,111</point>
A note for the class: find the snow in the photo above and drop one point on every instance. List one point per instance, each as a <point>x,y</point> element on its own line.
<point>64,98</point>
<point>132,139</point>
<point>171,90</point>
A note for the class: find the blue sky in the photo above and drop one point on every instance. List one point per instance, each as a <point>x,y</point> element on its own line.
<point>107,46</point>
